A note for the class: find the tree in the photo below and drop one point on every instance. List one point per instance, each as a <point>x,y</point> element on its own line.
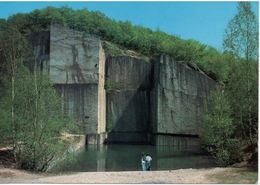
<point>241,40</point>
<point>241,86</point>
<point>12,51</point>
<point>241,37</point>
<point>242,93</point>
<point>233,110</point>
<point>30,111</point>
<point>218,129</point>
<point>38,141</point>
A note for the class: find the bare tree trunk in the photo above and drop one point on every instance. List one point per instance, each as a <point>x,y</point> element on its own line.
<point>36,112</point>
<point>12,114</point>
<point>249,108</point>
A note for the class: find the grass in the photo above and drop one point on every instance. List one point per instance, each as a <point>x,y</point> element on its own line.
<point>114,50</point>
<point>236,176</point>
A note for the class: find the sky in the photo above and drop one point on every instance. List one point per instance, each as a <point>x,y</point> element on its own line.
<point>201,21</point>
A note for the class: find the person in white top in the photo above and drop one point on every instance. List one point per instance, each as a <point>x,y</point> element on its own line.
<point>148,160</point>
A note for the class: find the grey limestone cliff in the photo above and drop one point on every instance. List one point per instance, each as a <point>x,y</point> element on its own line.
<point>179,100</point>
<point>122,98</point>
<point>128,99</point>
<point>75,63</point>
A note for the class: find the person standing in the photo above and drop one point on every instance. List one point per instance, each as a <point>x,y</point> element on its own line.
<point>143,162</point>
<point>148,160</point>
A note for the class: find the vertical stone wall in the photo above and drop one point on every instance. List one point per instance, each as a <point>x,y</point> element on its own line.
<point>128,84</point>
<point>80,102</point>
<point>179,100</point>
<point>77,67</point>
<point>74,56</point>
<point>40,43</point>
<point>126,96</point>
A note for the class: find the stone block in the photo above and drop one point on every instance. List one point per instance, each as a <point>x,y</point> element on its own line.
<point>74,56</point>
<point>178,98</point>
<point>127,73</point>
<point>128,111</point>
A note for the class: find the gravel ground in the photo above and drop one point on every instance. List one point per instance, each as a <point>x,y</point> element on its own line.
<point>8,175</point>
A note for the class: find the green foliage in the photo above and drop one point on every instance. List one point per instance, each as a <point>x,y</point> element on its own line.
<point>231,123</point>
<point>13,47</point>
<point>109,125</point>
<point>241,37</point>
<point>241,40</point>
<point>218,65</point>
<point>37,142</point>
<point>112,49</point>
<point>218,129</point>
<point>108,85</point>
<point>223,157</point>
<point>242,92</point>
<point>124,34</point>
<point>31,119</point>
<point>232,112</point>
<point>235,176</point>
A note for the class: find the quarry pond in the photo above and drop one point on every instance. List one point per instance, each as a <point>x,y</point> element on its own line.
<point>119,157</point>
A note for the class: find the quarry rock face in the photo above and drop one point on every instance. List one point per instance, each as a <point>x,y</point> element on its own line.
<point>128,99</point>
<point>75,63</point>
<point>123,99</point>
<point>179,99</point>
<point>125,72</point>
<point>40,42</point>
<point>74,56</point>
<point>77,66</point>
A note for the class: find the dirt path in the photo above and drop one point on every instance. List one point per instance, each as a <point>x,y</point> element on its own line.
<point>174,176</point>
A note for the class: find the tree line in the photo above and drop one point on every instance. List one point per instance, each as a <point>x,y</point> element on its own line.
<point>31,117</point>
<point>122,33</point>
<point>231,124</point>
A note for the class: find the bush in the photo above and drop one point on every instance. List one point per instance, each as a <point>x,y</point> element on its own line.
<point>218,129</point>
<point>38,121</point>
<point>223,157</point>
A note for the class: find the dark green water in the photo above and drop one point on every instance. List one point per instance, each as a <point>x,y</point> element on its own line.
<point>128,158</point>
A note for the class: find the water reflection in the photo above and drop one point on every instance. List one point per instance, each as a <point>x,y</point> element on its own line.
<point>128,158</point>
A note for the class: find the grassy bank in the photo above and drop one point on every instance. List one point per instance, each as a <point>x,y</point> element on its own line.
<point>235,175</point>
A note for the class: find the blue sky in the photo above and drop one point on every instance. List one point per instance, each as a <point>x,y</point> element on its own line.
<point>202,21</point>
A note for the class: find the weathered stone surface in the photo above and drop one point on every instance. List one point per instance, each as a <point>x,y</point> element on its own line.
<point>179,98</point>
<point>181,143</point>
<point>128,111</point>
<point>128,73</point>
<point>164,98</point>
<point>75,63</point>
<point>128,99</point>
<point>74,56</point>
<point>128,116</point>
<point>80,102</point>
<point>128,137</point>
<point>96,139</point>
<point>40,43</point>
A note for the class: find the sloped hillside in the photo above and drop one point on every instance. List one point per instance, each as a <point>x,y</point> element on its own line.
<point>122,35</point>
